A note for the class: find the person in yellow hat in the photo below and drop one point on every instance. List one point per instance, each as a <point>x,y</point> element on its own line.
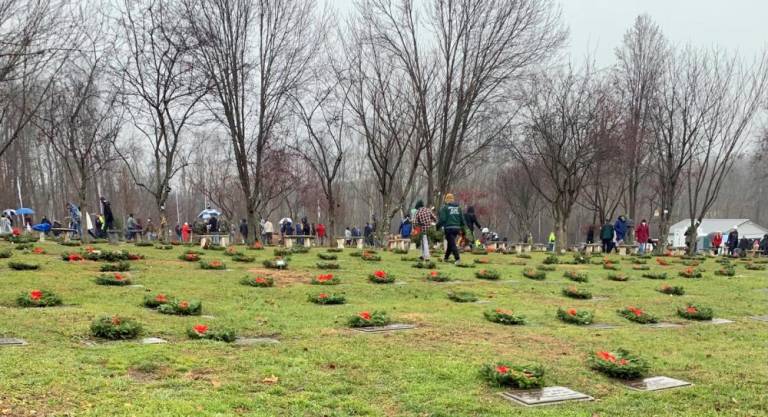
<point>451,220</point>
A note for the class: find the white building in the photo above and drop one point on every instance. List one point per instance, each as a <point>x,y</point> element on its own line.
<point>747,229</point>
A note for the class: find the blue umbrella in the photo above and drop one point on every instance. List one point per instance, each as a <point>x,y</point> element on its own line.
<point>23,211</point>
<point>208,213</point>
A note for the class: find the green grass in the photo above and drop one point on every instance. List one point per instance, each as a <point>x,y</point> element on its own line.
<point>326,369</point>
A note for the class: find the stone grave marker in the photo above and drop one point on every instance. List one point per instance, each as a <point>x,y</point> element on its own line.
<point>153,341</point>
<point>387,328</point>
<point>665,325</point>
<point>252,341</point>
<point>208,317</point>
<point>760,318</point>
<point>136,286</point>
<point>600,298</point>
<point>656,383</point>
<point>12,341</point>
<point>544,396</point>
<point>601,326</point>
<point>718,321</point>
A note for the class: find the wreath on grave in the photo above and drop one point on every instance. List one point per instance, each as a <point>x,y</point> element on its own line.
<point>518,263</point>
<point>334,250</point>
<point>327,299</point>
<point>23,266</point>
<point>551,260</point>
<point>534,274</point>
<point>437,276</point>
<point>277,263</point>
<point>115,328</point>
<point>231,251</point>
<point>726,271</point>
<point>257,246</point>
<point>121,266</point>
<point>695,312</point>
<point>325,279</point>
<point>671,290</point>
<point>6,253</point>
<point>462,297</point>
<point>327,256</point>
<point>155,301</point>
<point>327,265</point>
<point>182,308</point>
<point>482,261</point>
<point>190,257</point>
<point>502,316</point>
<point>281,253</point>
<point>580,259</point>
<point>424,264</point>
<point>691,262</point>
<point>576,276</point>
<point>37,250</point>
<point>655,275</point>
<point>370,256</point>
<point>754,267</point>
<point>133,256</point>
<point>610,266</point>
<point>398,251</point>
<point>690,272</point>
<point>619,364</point>
<point>116,279</point>
<point>639,261</point>
<point>546,268</point>
<point>577,293</point>
<point>505,374</point>
<point>163,247</point>
<point>662,262</point>
<point>366,319</point>
<point>240,257</point>
<point>23,246</point>
<point>637,315</point>
<point>212,247</point>
<point>142,244</point>
<point>38,298</point>
<point>488,274</point>
<point>212,264</point>
<point>618,276</point>
<point>299,249</point>
<point>641,268</point>
<point>575,316</point>
<point>202,331</point>
<point>381,277</point>
<point>524,256</point>
<point>258,281</point>
<point>479,251</point>
<point>463,265</point>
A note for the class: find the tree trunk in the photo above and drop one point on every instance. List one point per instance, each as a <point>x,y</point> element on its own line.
<point>251,219</point>
<point>330,231</point>
<point>82,195</point>
<point>163,225</point>
<point>561,231</point>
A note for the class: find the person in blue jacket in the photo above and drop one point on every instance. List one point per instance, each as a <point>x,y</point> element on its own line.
<point>405,228</point>
<point>620,227</point>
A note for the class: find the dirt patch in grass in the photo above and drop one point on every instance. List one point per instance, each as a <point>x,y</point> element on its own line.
<point>283,278</point>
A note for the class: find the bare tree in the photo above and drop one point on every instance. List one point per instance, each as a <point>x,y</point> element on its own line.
<point>563,119</point>
<point>161,90</point>
<point>256,53</point>
<point>521,198</point>
<point>640,63</point>
<point>737,92</point>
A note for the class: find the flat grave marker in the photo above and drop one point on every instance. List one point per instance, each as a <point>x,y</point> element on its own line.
<point>153,341</point>
<point>665,325</point>
<point>12,341</point>
<point>656,383</point>
<point>387,328</point>
<point>544,396</point>
<point>600,298</point>
<point>718,321</point>
<point>601,326</point>
<point>760,318</point>
<point>252,341</point>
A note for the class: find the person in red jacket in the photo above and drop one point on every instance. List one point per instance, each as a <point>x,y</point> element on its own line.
<point>320,230</point>
<point>185,230</point>
<point>642,233</point>
<point>717,240</point>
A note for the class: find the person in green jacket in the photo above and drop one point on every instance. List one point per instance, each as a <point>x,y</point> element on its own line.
<point>451,220</point>
<point>552,240</point>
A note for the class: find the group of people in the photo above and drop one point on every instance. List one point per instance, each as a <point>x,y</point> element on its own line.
<point>612,235</point>
<point>735,246</point>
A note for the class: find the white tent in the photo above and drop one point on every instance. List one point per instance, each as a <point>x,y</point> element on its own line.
<point>747,229</point>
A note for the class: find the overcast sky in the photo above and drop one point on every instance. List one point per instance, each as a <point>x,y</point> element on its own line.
<point>597,26</point>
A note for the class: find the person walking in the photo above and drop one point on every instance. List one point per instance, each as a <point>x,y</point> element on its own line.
<point>642,233</point>
<point>424,220</point>
<point>620,228</point>
<point>717,240</point>
<point>405,228</point>
<point>733,241</point>
<point>590,234</point>
<point>347,236</point>
<point>5,225</point>
<point>320,229</point>
<point>451,220</point>
<point>368,234</point>
<point>551,241</point>
<point>244,230</point>
<point>269,230</point>
<point>130,227</point>
<point>606,236</point>
<point>470,220</point>
<point>109,218</point>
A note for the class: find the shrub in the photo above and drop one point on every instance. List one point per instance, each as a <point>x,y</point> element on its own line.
<point>258,281</point>
<point>327,256</point>
<point>325,279</point>
<point>115,328</point>
<point>618,276</point>
<point>201,331</point>
<point>637,315</point>
<point>5,253</point>
<point>116,279</point>
<point>23,266</point>
<point>670,290</point>
<point>551,260</point>
<point>534,274</point>
<point>328,299</point>
<point>381,277</point>
<point>462,297</point>
<point>239,257</point>
<point>277,263</point>
<point>213,264</point>
<point>695,312</point>
<point>505,374</point>
<point>726,271</point>
<point>574,316</point>
<point>619,364</point>
<point>365,319</point>
<point>578,293</point>
<point>690,272</point>
<point>437,276</point>
<point>118,267</point>
<point>424,264</point>
<point>488,274</point>
<point>38,298</point>
<point>155,301</point>
<point>327,265</point>
<point>576,276</point>
<point>502,316</point>
<point>655,275</point>
<point>182,308</point>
